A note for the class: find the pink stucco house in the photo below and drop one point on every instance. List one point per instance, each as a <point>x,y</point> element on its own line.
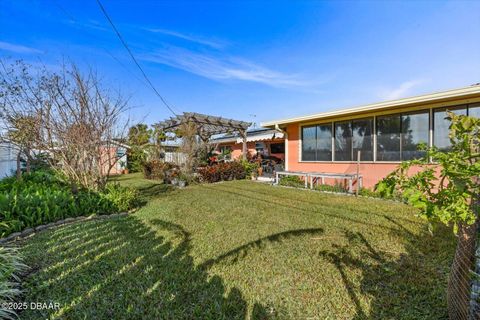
<point>385,133</point>
<point>267,142</point>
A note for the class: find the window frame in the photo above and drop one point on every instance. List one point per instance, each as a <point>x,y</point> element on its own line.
<point>300,145</point>
<point>350,122</point>
<point>429,111</point>
<point>441,109</point>
<point>423,111</point>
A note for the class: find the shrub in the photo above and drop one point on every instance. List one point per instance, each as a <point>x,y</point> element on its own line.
<point>369,193</point>
<point>222,172</point>
<point>122,198</point>
<point>291,181</point>
<point>154,169</point>
<point>337,187</point>
<point>11,266</point>
<point>42,197</point>
<point>249,167</point>
<point>160,170</point>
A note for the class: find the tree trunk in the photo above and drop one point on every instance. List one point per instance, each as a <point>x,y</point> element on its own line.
<point>27,152</point>
<point>459,286</point>
<point>19,167</point>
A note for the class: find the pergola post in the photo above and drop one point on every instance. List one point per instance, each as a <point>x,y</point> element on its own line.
<point>244,144</point>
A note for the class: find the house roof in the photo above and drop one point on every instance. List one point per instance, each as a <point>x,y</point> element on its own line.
<point>118,143</point>
<point>465,92</point>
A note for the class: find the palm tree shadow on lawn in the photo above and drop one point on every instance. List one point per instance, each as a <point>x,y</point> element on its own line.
<point>154,190</point>
<point>121,269</point>
<point>410,285</point>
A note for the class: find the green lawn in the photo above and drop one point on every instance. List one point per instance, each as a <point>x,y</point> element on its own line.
<point>241,249</point>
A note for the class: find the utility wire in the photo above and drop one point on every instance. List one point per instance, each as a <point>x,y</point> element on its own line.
<point>133,57</point>
<point>71,17</point>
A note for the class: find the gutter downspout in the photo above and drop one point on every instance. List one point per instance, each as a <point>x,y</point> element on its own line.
<point>285,135</point>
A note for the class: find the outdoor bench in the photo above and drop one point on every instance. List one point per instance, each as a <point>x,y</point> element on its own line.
<point>312,177</point>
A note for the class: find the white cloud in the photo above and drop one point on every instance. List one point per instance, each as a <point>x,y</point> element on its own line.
<point>6,46</point>
<point>402,90</point>
<point>196,39</point>
<point>222,68</point>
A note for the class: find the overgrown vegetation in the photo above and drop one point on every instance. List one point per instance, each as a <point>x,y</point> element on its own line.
<point>445,187</point>
<point>68,115</point>
<point>42,197</point>
<point>11,267</point>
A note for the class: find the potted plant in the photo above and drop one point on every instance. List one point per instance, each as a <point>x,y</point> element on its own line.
<point>183,179</point>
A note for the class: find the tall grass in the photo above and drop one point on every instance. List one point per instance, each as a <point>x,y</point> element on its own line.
<point>11,267</point>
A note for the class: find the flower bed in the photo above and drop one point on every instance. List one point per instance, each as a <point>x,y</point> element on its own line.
<point>42,197</point>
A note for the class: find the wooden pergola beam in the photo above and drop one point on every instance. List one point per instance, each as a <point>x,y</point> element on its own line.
<point>207,125</point>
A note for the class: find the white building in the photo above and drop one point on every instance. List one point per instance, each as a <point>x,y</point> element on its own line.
<point>8,159</point>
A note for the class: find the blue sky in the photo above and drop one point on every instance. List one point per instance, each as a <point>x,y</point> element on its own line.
<point>271,59</point>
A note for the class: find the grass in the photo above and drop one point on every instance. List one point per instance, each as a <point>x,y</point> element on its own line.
<point>242,250</point>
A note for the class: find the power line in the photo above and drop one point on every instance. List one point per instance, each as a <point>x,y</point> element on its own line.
<point>71,17</point>
<point>133,57</point>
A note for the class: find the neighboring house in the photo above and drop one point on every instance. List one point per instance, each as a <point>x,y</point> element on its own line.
<point>8,159</point>
<point>114,156</point>
<point>265,141</point>
<point>385,133</point>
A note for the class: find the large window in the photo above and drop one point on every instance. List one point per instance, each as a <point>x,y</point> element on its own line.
<point>351,137</point>
<point>362,139</point>
<point>399,135</point>
<point>415,130</point>
<point>388,138</point>
<point>474,110</point>
<point>317,143</point>
<point>343,141</point>
<point>441,126</point>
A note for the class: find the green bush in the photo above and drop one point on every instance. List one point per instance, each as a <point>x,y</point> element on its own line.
<point>291,181</point>
<point>11,266</point>
<point>249,167</point>
<point>337,187</point>
<point>369,193</point>
<point>122,198</point>
<point>42,197</point>
<point>222,172</point>
<point>160,170</point>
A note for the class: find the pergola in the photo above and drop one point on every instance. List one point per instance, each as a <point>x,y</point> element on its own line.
<point>207,126</point>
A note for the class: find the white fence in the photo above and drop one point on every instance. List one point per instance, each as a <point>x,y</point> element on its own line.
<point>175,157</point>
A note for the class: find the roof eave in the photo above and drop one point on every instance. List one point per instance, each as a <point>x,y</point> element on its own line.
<point>404,102</point>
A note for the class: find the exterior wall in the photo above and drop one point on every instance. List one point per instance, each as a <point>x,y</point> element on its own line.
<point>372,171</point>
<point>109,159</point>
<point>238,147</point>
